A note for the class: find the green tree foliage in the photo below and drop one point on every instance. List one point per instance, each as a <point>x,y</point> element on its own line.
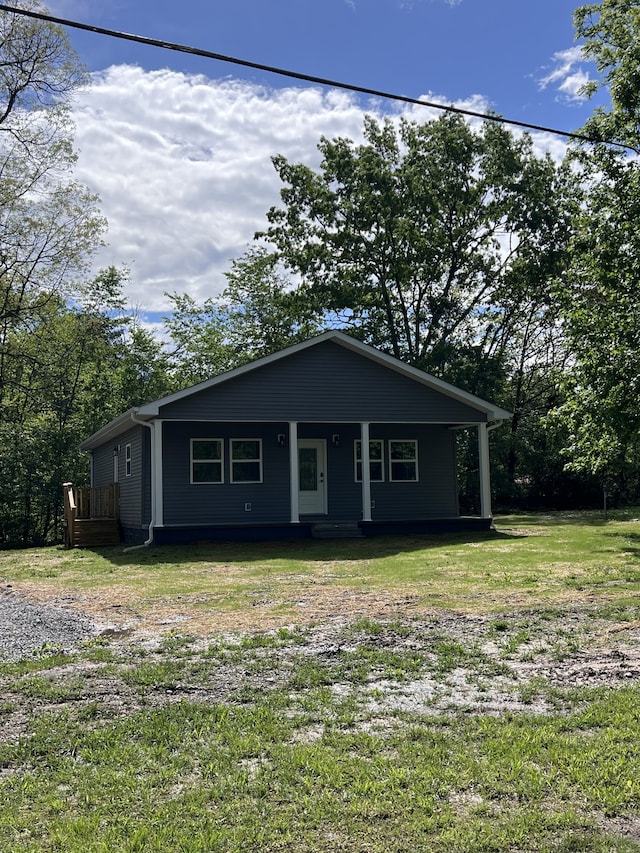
<point>599,294</point>
<point>600,299</point>
<point>421,239</point>
<point>259,312</point>
<point>49,224</point>
<point>78,367</point>
<point>611,33</point>
<point>49,227</point>
<point>263,311</point>
<point>197,340</point>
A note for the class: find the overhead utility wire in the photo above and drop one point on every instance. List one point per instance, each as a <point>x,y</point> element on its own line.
<point>296,75</point>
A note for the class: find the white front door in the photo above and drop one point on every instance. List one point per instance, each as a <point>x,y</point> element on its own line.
<point>312,480</point>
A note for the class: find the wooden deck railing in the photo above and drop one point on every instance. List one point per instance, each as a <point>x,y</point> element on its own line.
<point>83,504</point>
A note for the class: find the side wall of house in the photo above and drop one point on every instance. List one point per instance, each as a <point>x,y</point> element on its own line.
<point>133,478</point>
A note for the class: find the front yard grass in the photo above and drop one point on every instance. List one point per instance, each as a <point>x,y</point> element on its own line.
<point>487,698</point>
<point>528,560</point>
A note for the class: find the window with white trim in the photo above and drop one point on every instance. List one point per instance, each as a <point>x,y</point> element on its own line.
<point>376,466</point>
<point>207,457</point>
<point>246,460</point>
<point>403,460</point>
<point>127,460</point>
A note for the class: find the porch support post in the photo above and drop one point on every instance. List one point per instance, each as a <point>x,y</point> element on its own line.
<point>485,471</point>
<point>293,472</point>
<point>157,484</point>
<point>366,471</point>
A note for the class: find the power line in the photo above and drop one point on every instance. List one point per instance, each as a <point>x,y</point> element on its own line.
<point>295,75</point>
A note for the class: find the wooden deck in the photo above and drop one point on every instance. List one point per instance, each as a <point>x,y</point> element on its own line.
<point>91,516</point>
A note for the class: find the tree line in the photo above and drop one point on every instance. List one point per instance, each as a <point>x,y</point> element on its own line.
<point>454,247</point>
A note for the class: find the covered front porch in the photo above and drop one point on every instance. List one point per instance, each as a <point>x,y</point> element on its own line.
<point>373,463</point>
<point>315,480</point>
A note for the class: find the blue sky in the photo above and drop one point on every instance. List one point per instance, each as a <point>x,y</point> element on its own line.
<point>178,147</point>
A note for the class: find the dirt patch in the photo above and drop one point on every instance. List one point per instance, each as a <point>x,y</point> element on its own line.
<point>520,661</point>
<point>515,662</point>
<point>121,608</point>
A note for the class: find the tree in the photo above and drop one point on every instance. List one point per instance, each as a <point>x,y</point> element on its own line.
<point>262,309</point>
<point>49,224</point>
<point>420,239</point>
<point>79,366</point>
<point>198,345</point>
<point>599,294</point>
<point>600,300</point>
<point>611,33</point>
<point>258,313</point>
<point>49,227</point>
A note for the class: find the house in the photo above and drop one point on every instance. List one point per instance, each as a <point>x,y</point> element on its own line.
<point>327,436</point>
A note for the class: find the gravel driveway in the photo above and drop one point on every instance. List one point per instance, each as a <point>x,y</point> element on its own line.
<point>26,627</point>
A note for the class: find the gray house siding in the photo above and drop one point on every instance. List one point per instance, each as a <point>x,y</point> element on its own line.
<point>102,466</point>
<point>324,382</point>
<point>433,495</point>
<point>135,487</point>
<point>227,502</point>
<point>131,485</point>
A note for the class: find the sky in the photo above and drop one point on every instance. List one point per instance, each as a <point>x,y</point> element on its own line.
<point>179,147</point>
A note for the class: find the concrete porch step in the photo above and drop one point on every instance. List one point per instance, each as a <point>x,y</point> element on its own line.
<point>336,530</point>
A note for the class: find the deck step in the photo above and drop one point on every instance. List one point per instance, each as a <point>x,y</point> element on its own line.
<point>95,533</point>
<point>336,530</point>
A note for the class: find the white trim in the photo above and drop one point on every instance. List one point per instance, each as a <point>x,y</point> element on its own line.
<point>155,475</point>
<point>232,461</point>
<point>413,441</point>
<point>294,495</point>
<point>193,459</point>
<point>157,437</point>
<point>366,471</point>
<point>485,471</point>
<point>127,460</point>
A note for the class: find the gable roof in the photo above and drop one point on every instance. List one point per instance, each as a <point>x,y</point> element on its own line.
<point>151,410</point>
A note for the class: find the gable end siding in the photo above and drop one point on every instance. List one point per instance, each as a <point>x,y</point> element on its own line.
<point>325,382</point>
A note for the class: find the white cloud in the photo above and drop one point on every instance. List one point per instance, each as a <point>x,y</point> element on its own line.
<point>183,167</point>
<point>567,74</point>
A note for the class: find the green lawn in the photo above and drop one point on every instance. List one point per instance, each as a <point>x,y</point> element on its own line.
<point>526,560</point>
<point>494,705</point>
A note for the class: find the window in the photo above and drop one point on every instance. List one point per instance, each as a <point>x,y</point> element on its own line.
<point>246,460</point>
<point>376,467</point>
<point>127,460</point>
<point>403,460</point>
<point>206,460</point>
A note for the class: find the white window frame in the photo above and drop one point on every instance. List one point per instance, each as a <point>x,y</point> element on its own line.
<point>127,460</point>
<point>358,462</point>
<point>233,462</point>
<point>194,459</point>
<point>393,441</point>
